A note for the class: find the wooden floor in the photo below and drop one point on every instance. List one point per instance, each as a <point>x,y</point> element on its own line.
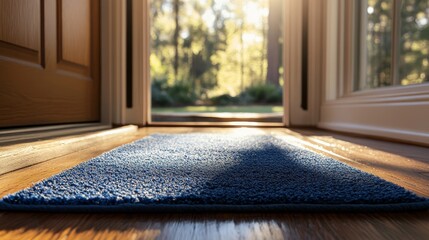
<point>403,164</point>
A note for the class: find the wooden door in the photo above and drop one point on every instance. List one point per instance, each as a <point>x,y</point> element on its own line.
<point>49,62</point>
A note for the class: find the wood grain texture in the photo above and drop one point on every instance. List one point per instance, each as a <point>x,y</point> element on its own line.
<point>402,163</point>
<point>75,31</point>
<point>20,23</point>
<point>31,134</point>
<point>39,90</point>
<point>27,154</point>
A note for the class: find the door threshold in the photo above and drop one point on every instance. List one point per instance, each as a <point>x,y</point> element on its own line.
<point>217,124</point>
<point>218,117</point>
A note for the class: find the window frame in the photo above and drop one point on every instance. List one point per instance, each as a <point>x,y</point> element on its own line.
<point>395,112</point>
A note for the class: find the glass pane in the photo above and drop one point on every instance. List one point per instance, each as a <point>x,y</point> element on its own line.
<point>213,56</point>
<point>379,27</point>
<point>414,44</point>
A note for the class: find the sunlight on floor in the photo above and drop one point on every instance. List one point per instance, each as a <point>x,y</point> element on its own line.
<point>247,131</point>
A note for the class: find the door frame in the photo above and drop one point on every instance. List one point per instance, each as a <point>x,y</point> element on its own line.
<point>114,108</point>
<point>114,62</point>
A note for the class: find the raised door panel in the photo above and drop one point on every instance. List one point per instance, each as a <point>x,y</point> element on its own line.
<point>66,87</point>
<point>75,31</point>
<point>77,36</point>
<point>21,29</point>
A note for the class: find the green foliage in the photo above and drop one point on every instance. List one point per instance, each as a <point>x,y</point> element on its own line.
<point>160,97</point>
<point>215,47</point>
<point>257,94</point>
<point>413,43</point>
<point>262,94</point>
<point>224,100</point>
<point>179,94</point>
<point>182,93</point>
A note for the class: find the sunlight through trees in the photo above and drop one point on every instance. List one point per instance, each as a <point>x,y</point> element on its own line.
<point>412,45</point>
<point>206,50</point>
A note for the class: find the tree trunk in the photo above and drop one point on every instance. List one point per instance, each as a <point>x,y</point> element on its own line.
<point>273,47</point>
<point>263,52</point>
<point>242,56</point>
<point>176,38</point>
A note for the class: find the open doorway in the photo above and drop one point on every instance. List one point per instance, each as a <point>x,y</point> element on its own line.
<point>216,61</point>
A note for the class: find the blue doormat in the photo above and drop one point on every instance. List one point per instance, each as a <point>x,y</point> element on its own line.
<point>212,172</point>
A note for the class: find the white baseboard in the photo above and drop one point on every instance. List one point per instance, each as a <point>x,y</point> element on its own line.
<point>421,138</point>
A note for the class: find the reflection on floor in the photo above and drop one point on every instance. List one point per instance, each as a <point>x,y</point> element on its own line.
<point>403,164</point>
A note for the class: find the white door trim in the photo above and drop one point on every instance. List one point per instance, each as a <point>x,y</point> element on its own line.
<point>295,115</point>
<point>114,109</point>
<point>139,114</point>
<point>112,61</point>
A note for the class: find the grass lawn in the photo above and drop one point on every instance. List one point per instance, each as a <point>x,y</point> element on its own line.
<point>220,109</point>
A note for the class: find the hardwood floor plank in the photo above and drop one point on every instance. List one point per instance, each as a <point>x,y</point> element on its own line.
<point>215,226</point>
<point>405,165</point>
<point>18,156</point>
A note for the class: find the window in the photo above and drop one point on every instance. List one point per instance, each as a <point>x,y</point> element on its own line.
<point>376,68</point>
<point>395,43</point>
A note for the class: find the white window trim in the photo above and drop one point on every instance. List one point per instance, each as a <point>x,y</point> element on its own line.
<point>400,112</point>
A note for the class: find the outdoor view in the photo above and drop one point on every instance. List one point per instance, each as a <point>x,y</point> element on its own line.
<point>216,56</point>
<point>412,45</point>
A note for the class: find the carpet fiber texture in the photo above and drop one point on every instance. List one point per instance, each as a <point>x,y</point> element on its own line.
<point>212,172</point>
